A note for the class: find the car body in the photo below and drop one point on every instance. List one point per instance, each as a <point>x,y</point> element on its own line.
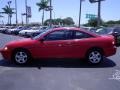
<point>61,43</point>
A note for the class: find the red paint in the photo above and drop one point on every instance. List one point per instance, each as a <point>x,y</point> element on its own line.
<point>74,48</point>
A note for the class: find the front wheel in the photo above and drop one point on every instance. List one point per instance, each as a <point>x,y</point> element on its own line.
<point>21,57</point>
<point>94,57</point>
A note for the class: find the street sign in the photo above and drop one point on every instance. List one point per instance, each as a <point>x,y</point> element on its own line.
<point>29,12</point>
<point>91,16</point>
<point>49,8</point>
<point>94,1</point>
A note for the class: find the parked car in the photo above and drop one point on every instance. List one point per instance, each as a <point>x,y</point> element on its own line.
<point>10,29</point>
<point>2,30</point>
<point>115,31</point>
<point>61,43</point>
<point>24,32</point>
<point>91,29</point>
<point>32,31</point>
<point>18,29</point>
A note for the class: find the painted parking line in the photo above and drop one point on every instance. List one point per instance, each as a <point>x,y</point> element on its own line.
<point>115,75</point>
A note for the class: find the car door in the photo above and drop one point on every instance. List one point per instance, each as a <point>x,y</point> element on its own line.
<point>76,46</point>
<point>52,46</point>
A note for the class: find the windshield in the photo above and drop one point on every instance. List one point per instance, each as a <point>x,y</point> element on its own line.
<point>42,32</point>
<point>103,31</point>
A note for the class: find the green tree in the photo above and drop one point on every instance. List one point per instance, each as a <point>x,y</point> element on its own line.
<point>93,22</point>
<point>9,11</point>
<point>43,5</point>
<point>111,22</point>
<point>68,21</point>
<point>59,21</point>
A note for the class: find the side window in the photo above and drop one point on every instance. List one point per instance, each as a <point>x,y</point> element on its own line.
<point>56,35</point>
<point>69,34</point>
<point>80,35</point>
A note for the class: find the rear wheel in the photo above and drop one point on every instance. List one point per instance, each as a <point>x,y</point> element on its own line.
<point>94,56</point>
<point>21,57</point>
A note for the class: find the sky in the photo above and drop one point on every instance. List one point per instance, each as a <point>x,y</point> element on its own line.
<point>65,8</point>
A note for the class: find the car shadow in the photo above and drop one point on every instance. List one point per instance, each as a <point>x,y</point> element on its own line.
<point>62,63</point>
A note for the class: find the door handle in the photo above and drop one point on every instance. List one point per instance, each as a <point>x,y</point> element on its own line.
<point>69,43</point>
<point>59,45</point>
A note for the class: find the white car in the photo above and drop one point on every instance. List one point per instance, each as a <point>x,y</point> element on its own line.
<point>2,30</point>
<point>91,29</point>
<point>10,29</point>
<point>28,31</point>
<point>23,32</point>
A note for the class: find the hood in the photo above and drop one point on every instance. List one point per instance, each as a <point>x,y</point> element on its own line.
<point>21,42</point>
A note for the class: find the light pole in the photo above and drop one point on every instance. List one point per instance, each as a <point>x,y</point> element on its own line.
<point>26,12</point>
<point>99,10</point>
<point>80,12</point>
<point>99,13</point>
<point>16,11</point>
<point>50,13</point>
<point>22,18</point>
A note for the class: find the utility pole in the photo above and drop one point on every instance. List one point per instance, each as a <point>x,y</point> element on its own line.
<point>99,10</point>
<point>80,13</point>
<point>22,19</point>
<point>50,13</point>
<point>16,11</point>
<point>99,13</point>
<point>26,12</point>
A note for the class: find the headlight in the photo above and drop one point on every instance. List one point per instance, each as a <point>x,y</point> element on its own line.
<point>6,48</point>
<point>113,43</point>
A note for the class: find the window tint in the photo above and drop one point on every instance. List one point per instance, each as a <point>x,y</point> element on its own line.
<point>56,35</point>
<point>80,35</point>
<point>69,34</point>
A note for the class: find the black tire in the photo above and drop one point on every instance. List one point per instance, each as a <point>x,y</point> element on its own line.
<point>21,57</point>
<point>94,56</point>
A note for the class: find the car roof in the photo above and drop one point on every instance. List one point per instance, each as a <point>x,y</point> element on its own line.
<point>75,28</point>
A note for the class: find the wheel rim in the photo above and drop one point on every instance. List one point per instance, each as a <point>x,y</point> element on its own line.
<point>21,57</point>
<point>95,57</point>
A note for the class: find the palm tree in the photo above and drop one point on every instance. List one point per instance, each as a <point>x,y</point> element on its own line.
<point>9,11</point>
<point>43,5</point>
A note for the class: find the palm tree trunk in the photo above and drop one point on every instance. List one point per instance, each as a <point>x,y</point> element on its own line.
<point>43,17</point>
<point>8,18</point>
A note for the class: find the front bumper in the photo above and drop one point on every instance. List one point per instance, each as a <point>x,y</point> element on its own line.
<point>6,54</point>
<point>110,51</point>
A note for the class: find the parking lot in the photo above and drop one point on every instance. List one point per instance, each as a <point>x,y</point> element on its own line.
<point>59,74</point>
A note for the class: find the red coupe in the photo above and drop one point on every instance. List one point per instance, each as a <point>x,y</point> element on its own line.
<point>61,43</point>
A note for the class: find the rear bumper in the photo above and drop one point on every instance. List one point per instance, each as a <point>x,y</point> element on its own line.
<point>6,54</point>
<point>110,51</point>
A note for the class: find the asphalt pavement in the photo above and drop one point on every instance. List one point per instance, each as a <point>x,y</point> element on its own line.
<point>62,74</point>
